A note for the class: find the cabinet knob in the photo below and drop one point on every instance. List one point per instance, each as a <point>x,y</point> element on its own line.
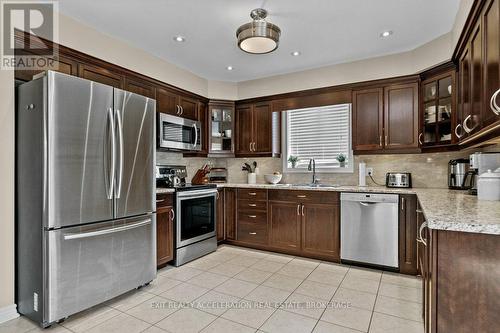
<point>301,196</point>
<point>252,193</point>
<point>252,205</point>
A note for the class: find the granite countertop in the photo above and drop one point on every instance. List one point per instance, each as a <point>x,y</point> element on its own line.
<point>443,209</point>
<point>160,190</point>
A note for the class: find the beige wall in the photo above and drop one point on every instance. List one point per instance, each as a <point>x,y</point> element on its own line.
<point>463,12</point>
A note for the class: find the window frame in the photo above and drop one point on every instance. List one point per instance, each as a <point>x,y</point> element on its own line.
<point>284,146</point>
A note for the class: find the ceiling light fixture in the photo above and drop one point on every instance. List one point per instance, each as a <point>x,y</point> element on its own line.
<point>259,36</point>
<point>179,39</point>
<point>229,68</point>
<point>386,33</point>
<point>295,53</point>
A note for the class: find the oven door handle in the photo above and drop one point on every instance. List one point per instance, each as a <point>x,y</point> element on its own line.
<point>196,193</point>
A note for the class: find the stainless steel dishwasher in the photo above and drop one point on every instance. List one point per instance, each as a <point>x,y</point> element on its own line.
<point>369,228</point>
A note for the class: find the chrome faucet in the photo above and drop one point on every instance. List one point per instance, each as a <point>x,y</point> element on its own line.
<point>312,167</point>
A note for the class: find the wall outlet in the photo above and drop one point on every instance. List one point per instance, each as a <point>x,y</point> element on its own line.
<point>369,172</point>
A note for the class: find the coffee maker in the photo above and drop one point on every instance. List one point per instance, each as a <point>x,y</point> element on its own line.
<point>459,177</point>
<point>479,164</point>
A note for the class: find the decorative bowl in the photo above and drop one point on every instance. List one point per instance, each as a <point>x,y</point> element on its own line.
<point>273,179</point>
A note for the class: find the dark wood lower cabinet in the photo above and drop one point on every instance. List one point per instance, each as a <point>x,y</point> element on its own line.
<point>321,230</point>
<point>284,224</point>
<point>164,229</point>
<point>230,213</point>
<point>408,234</point>
<point>221,233</point>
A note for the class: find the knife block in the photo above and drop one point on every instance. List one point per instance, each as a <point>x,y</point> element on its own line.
<point>200,178</point>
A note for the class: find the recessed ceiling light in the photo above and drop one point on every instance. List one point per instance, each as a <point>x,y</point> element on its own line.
<point>179,39</point>
<point>386,33</point>
<point>229,68</point>
<point>295,53</point>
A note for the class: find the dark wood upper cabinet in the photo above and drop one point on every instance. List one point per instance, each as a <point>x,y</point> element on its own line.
<point>101,75</point>
<point>254,130</point>
<point>138,86</point>
<point>244,130</point>
<point>491,62</point>
<point>401,116</point>
<point>464,104</point>
<point>368,119</point>
<point>167,101</point>
<point>473,124</point>
<point>220,128</point>
<point>285,225</point>
<point>189,107</point>
<point>321,230</point>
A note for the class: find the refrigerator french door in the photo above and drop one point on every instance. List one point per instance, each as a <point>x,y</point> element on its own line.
<point>85,204</point>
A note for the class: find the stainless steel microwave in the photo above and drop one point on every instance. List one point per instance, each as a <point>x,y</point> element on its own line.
<point>179,133</point>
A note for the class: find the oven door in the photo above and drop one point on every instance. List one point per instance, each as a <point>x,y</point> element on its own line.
<point>179,133</point>
<point>195,216</point>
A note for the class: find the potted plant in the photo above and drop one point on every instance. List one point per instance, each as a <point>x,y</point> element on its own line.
<point>251,174</point>
<point>341,159</point>
<point>293,160</point>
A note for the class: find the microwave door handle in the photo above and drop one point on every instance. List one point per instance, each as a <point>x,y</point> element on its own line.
<point>195,135</point>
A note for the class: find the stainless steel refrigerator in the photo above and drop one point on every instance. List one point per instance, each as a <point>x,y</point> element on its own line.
<point>85,195</point>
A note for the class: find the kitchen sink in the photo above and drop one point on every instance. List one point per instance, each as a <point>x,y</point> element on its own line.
<point>314,185</point>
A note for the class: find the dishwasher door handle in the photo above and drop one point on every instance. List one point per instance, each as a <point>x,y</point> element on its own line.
<point>366,204</point>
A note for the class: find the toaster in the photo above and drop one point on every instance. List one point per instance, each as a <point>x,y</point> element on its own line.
<point>398,179</point>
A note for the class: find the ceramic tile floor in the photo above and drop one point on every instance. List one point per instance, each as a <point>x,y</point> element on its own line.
<point>237,289</point>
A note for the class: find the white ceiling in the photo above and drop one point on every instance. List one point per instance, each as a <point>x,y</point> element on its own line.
<point>324,31</point>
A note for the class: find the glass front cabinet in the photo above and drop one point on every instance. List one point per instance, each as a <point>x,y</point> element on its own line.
<point>221,129</point>
<point>438,116</point>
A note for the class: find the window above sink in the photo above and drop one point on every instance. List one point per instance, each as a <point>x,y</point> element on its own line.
<point>319,133</point>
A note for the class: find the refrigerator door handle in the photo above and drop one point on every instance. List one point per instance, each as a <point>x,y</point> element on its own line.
<point>106,231</point>
<point>111,184</point>
<point>119,179</point>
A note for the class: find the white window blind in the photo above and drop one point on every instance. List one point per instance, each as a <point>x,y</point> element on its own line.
<point>321,133</point>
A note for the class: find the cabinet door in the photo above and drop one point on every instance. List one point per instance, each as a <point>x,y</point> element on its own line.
<point>476,49</point>
<point>230,213</point>
<point>491,33</point>
<point>408,234</point>
<point>321,230</point>
<point>367,119</point>
<point>189,108</point>
<point>138,86</point>
<point>401,116</point>
<point>262,130</point>
<point>220,215</point>
<point>99,74</point>
<point>284,223</point>
<point>464,108</point>
<point>244,127</point>
<point>167,101</point>
<point>62,65</point>
<point>164,236</point>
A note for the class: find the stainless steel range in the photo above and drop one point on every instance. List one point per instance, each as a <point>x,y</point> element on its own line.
<point>195,209</point>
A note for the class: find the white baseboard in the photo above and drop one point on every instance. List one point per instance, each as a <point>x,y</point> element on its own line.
<point>8,312</point>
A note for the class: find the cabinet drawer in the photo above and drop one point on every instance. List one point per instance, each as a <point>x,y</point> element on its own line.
<point>164,200</point>
<point>252,233</point>
<point>252,205</point>
<point>253,194</point>
<point>304,196</point>
<point>254,217</point>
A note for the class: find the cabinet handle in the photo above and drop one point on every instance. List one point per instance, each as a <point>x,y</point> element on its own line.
<point>380,141</point>
<point>218,195</point>
<point>178,110</point>
<point>254,146</point>
<point>172,214</point>
<point>298,210</point>
<point>252,216</point>
<point>252,205</point>
<point>250,146</point>
<point>420,138</point>
<point>159,200</point>
<point>252,233</point>
<point>301,196</point>
<point>402,204</point>
<point>467,128</point>
<point>419,211</point>
<point>252,193</point>
<point>456,131</point>
<point>493,103</point>
<point>386,141</point>
<point>303,210</point>
<point>420,239</point>
<point>182,109</point>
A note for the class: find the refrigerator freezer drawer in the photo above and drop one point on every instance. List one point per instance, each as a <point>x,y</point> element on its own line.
<point>90,264</point>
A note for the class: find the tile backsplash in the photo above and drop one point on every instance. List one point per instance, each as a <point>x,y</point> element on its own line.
<point>429,170</point>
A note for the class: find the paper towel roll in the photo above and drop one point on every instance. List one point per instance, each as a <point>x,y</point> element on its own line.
<point>362,174</point>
